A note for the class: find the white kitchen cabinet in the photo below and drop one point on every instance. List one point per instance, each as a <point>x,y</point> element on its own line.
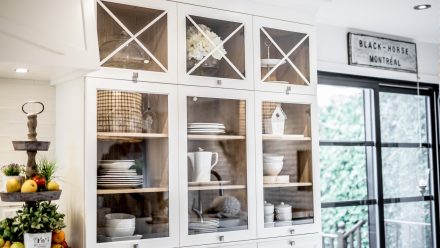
<point>286,165</point>
<point>284,56</point>
<point>59,36</point>
<point>300,241</point>
<point>215,48</point>
<point>217,176</point>
<point>214,121</point>
<point>137,40</point>
<point>132,132</point>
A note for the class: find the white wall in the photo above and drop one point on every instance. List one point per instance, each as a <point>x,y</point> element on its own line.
<point>333,56</point>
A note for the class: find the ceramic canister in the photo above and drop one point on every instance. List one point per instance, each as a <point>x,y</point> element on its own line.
<point>283,212</point>
<point>268,218</point>
<point>268,208</point>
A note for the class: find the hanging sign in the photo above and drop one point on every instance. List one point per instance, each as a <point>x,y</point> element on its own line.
<point>366,50</point>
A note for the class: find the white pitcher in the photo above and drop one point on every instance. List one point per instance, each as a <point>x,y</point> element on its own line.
<point>201,163</point>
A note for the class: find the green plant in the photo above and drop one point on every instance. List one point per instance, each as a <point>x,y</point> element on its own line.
<point>12,169</point>
<point>47,169</point>
<point>6,231</point>
<point>41,217</point>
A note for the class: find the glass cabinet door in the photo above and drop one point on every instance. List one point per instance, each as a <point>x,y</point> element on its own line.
<point>138,39</point>
<point>285,164</point>
<point>215,46</point>
<point>216,176</point>
<point>134,173</point>
<point>283,53</point>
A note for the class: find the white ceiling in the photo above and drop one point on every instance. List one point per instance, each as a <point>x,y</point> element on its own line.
<point>391,17</point>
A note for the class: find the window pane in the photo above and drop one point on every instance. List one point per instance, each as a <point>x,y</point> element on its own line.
<point>408,225</point>
<point>341,113</point>
<point>343,173</point>
<point>403,118</point>
<point>404,170</point>
<point>347,215</point>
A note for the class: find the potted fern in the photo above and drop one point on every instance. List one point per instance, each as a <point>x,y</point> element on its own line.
<point>35,223</point>
<point>12,171</point>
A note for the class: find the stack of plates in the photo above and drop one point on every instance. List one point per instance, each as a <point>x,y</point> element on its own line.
<point>208,225</point>
<point>117,174</point>
<point>216,128</point>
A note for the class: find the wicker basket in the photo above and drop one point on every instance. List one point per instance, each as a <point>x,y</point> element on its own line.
<point>119,111</point>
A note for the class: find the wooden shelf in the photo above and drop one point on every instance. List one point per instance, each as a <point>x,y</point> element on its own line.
<point>215,187</point>
<point>284,185</point>
<point>293,137</point>
<point>29,197</point>
<point>123,136</point>
<point>215,137</point>
<point>128,191</point>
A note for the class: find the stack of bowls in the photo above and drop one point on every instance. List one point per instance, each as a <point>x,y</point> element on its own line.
<point>268,212</point>
<point>119,225</point>
<point>272,164</point>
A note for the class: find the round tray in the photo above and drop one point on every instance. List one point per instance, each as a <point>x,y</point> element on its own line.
<point>29,197</point>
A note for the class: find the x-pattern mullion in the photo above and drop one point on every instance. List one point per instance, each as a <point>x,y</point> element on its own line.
<point>285,57</point>
<point>216,47</point>
<point>133,37</point>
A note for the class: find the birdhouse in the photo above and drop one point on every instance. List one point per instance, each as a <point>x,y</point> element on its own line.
<point>275,125</point>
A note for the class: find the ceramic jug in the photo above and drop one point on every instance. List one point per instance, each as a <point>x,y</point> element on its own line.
<point>201,163</point>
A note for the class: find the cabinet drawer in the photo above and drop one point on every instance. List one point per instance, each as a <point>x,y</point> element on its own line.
<point>303,241</point>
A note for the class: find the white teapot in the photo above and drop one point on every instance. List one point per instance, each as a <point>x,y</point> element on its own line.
<point>201,163</point>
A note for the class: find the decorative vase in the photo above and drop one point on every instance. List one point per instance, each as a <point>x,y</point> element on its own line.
<point>37,240</point>
<point>6,178</point>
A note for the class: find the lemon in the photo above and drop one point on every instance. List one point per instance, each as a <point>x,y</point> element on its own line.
<point>13,185</point>
<point>53,186</point>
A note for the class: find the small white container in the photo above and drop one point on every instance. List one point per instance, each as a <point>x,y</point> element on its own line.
<point>283,212</point>
<point>268,208</point>
<point>37,240</point>
<point>268,218</point>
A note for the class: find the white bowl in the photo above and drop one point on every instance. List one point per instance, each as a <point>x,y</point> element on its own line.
<point>118,224</point>
<point>119,232</point>
<point>272,157</point>
<point>272,169</point>
<point>119,219</point>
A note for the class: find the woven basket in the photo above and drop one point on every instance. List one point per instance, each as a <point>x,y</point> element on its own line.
<point>119,111</point>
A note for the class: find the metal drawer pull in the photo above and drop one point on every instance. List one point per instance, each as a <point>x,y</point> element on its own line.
<point>219,82</point>
<point>288,89</point>
<point>135,246</point>
<point>221,238</point>
<point>292,243</point>
<point>292,231</point>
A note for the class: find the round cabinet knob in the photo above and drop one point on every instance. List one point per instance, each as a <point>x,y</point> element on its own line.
<point>292,243</point>
<point>221,238</point>
<point>292,231</point>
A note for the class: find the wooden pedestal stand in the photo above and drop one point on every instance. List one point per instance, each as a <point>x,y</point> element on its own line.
<point>32,146</point>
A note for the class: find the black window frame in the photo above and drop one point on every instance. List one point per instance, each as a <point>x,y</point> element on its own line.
<point>378,85</point>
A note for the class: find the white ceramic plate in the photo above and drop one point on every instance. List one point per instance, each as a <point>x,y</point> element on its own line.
<point>115,166</point>
<point>118,186</point>
<point>206,123</point>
